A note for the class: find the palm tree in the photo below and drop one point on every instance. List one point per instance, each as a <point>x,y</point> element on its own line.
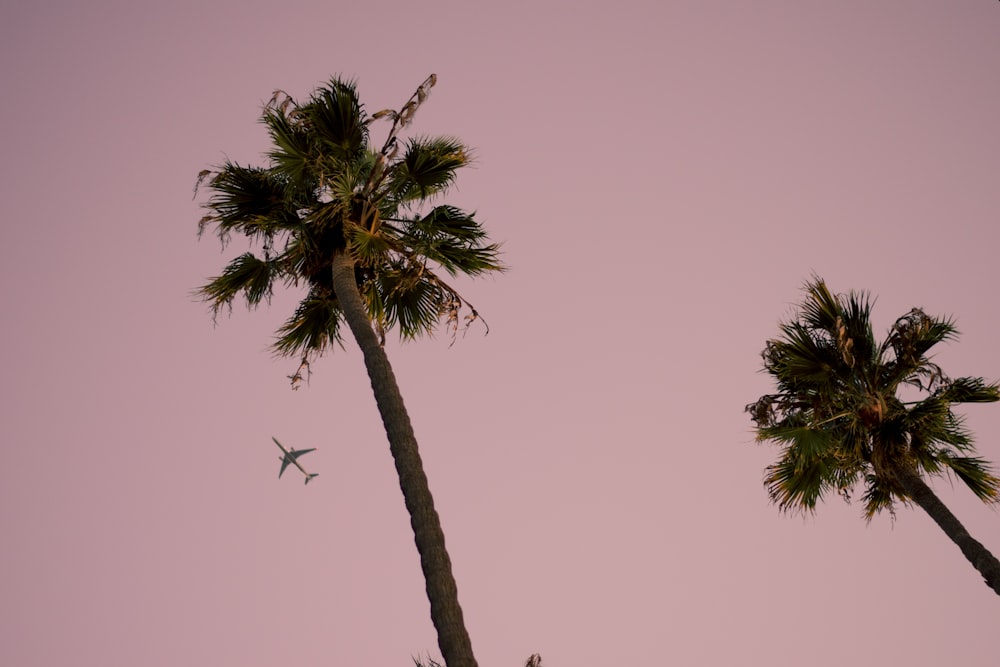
<point>840,420</point>
<point>353,225</point>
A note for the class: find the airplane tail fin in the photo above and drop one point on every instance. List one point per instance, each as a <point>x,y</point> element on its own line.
<point>309,477</point>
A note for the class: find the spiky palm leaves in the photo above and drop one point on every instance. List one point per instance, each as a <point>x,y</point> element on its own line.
<point>355,226</point>
<point>327,190</point>
<point>840,419</point>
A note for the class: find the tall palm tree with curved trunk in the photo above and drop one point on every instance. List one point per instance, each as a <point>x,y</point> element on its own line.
<point>840,419</point>
<point>360,229</point>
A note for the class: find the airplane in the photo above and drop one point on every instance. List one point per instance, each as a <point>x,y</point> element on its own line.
<point>292,456</point>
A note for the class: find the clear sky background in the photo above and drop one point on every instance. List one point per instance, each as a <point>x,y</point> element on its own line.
<point>664,175</point>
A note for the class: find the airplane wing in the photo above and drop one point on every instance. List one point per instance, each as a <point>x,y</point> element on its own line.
<point>290,457</point>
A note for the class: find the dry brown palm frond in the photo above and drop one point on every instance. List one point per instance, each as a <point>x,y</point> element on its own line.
<point>202,175</point>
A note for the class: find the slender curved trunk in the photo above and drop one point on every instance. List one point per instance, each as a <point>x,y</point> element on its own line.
<point>974,551</point>
<point>446,613</point>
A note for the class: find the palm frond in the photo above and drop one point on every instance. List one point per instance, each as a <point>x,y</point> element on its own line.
<point>412,300</point>
<point>975,473</point>
<point>854,332</point>
<point>449,221</point>
<point>451,238</point>
<point>969,390</point>
<point>927,458</point>
<point>335,120</point>
<point>371,292</point>
<point>293,153</point>
<point>368,247</point>
<point>312,330</point>
<point>796,483</point>
<point>878,497</point>
<point>915,333</point>
<point>457,258</point>
<point>248,274</point>
<point>821,309</point>
<point>929,417</point>
<point>346,180</point>
<point>428,167</point>
<point>802,358</point>
<point>251,201</point>
<point>808,442</point>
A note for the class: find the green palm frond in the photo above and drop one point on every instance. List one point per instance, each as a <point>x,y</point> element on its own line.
<point>878,497</point>
<point>293,153</point>
<point>251,201</point>
<point>458,258</point>
<point>916,332</point>
<point>808,442</point>
<point>976,473</point>
<point>803,357</point>
<point>820,310</point>
<point>428,167</point>
<point>335,120</point>
<point>928,414</point>
<point>811,466</point>
<point>312,330</point>
<point>451,238</point>
<point>855,441</point>
<point>909,340</point>
<point>248,274</point>
<point>373,295</point>
<point>928,458</point>
<point>370,248</point>
<point>797,483</point>
<point>969,390</point>
<point>412,300</point>
<point>451,222</point>
<point>348,181</point>
<point>839,323</point>
<point>854,332</point>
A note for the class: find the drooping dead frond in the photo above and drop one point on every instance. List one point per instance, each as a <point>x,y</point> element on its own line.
<point>282,105</point>
<point>405,115</point>
<point>202,175</point>
<point>204,222</point>
<point>425,88</point>
<point>407,112</point>
<point>297,377</point>
<point>391,113</point>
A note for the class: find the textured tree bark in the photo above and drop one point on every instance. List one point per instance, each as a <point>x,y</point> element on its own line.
<point>974,551</point>
<point>446,613</point>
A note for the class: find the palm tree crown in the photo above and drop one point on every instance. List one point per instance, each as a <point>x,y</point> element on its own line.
<point>327,190</point>
<point>838,415</point>
<point>840,420</point>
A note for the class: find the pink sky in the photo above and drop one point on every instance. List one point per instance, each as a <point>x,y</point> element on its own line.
<point>665,176</point>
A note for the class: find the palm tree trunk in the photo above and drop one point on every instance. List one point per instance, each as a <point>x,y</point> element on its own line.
<point>446,614</point>
<point>974,551</point>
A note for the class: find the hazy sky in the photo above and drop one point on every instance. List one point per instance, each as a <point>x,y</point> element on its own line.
<point>664,176</point>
